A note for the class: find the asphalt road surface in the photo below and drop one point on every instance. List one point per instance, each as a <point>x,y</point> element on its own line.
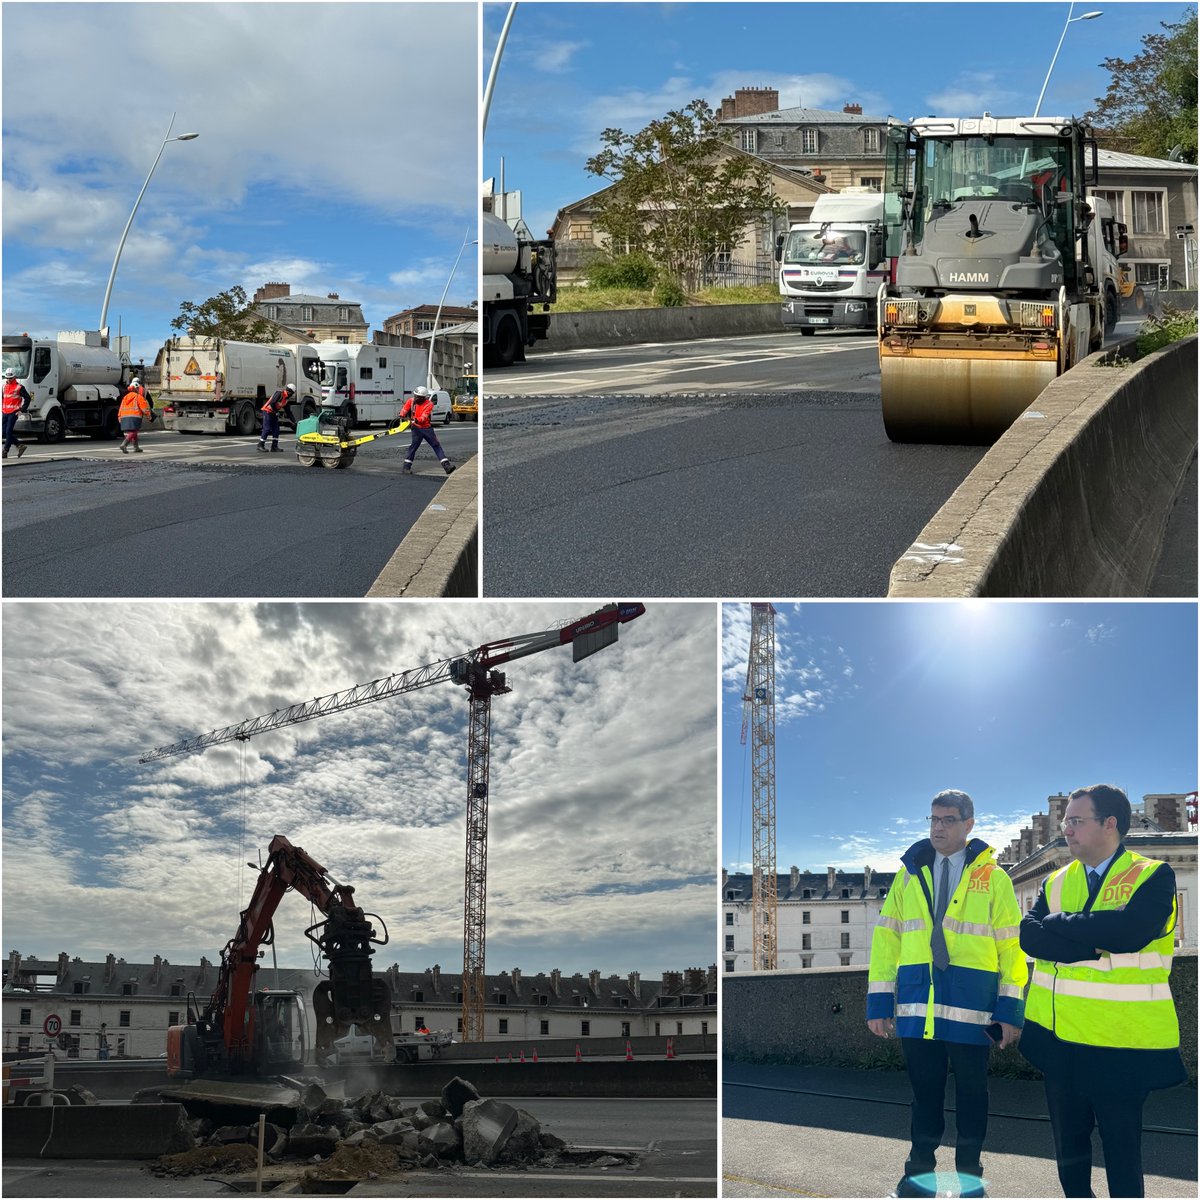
<point>675,1142</point>
<point>210,516</point>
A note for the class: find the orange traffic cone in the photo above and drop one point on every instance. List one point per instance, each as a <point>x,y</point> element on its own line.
<point>535,1054</point>
<point>510,1056</point>
<point>629,1052</point>
<point>497,1058</point>
<point>578,1056</point>
<point>670,1047</point>
<point>522,1055</point>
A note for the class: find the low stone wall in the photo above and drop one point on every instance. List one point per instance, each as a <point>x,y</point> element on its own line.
<point>819,1017</point>
<point>1074,498</point>
<point>580,330</point>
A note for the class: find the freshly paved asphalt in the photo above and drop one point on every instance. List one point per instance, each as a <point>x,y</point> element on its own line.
<point>812,1131</point>
<point>209,517</point>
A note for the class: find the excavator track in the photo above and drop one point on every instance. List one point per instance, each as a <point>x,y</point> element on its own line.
<point>958,399</point>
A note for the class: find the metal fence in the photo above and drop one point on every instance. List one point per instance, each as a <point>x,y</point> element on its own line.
<point>716,273</point>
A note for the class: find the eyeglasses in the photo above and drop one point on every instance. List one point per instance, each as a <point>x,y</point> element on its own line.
<point>949,822</point>
<point>1075,822</point>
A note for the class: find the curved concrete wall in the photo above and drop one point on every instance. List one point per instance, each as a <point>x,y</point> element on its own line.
<point>619,327</point>
<point>1074,498</point>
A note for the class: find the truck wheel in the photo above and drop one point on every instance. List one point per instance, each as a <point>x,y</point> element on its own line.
<point>807,331</point>
<point>308,410</point>
<point>1112,310</point>
<point>55,427</point>
<point>1139,300</point>
<point>352,416</point>
<point>246,422</point>
<point>506,344</point>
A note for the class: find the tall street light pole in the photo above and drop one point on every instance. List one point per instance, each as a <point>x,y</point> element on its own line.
<point>1087,16</point>
<point>183,137</point>
<point>467,241</point>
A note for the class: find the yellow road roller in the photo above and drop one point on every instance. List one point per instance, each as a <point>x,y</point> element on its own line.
<point>997,284</point>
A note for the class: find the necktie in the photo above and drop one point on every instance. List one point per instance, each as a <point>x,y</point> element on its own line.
<point>1093,884</point>
<point>941,956</point>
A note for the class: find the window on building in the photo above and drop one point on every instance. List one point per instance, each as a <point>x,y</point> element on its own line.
<point>343,315</point>
<point>544,1028</point>
<point>729,964</point>
<point>1115,201</point>
<point>72,1044</point>
<point>177,989</point>
<point>679,1029</point>
<point>806,941</point>
<point>173,1016</point>
<point>306,313</point>
<point>809,140</point>
<point>1148,274</point>
<point>625,1026</point>
<point>1147,212</point>
<point>704,1028</point>
<point>845,959</point>
<point>460,1024</point>
<point>845,893</point>
<point>875,182</point>
<point>272,312</point>
<point>26,1016</point>
<point>503,1025</point>
<point>806,961</point>
<point>845,941</point>
<point>128,989</point>
<point>729,918</point>
<point>871,140</point>
<point>81,987</point>
<point>418,997</point>
<point>580,230</point>
<point>805,917</point>
<point>76,1017</point>
<point>845,916</point>
<point>345,341</point>
<point>585,1029</point>
<point>458,997</point>
<point>657,1029</point>
<point>499,998</point>
<point>22,1044</point>
<point>124,1021</point>
<point>120,1047</point>
<point>750,140</point>
<point>729,941</point>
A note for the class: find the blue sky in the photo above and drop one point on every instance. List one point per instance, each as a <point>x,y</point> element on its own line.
<point>880,706</point>
<point>571,70</point>
<point>338,152</point>
<point>603,805</point>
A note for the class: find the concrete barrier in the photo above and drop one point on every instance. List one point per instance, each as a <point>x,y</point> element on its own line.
<point>440,553</point>
<point>95,1131</point>
<point>1073,500</point>
<point>819,1017</point>
<point>619,327</point>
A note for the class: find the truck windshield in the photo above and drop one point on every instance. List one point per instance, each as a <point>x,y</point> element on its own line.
<point>828,244</point>
<point>18,360</point>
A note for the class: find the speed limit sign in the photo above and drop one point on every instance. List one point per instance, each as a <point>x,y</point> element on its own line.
<point>52,1026</point>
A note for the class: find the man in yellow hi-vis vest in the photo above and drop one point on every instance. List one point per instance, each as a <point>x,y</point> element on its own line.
<point>947,975</point>
<point>1101,1022</point>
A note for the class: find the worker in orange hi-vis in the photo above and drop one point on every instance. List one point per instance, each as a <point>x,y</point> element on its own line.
<point>134,409</point>
<point>418,409</point>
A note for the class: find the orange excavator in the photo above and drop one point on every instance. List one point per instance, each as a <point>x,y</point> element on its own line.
<point>246,1032</point>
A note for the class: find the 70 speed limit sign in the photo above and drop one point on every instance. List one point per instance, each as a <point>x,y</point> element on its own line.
<point>52,1026</point>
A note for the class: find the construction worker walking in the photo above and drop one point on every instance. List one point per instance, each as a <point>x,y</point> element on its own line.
<point>134,409</point>
<point>277,404</point>
<point>16,401</point>
<point>947,975</point>
<point>418,408</point>
<point>1101,1023</point>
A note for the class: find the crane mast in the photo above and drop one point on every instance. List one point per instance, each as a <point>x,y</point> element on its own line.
<point>476,672</point>
<point>760,708</point>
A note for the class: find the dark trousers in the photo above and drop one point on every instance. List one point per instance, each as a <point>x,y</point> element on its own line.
<point>270,428</point>
<point>1119,1118</point>
<point>424,435</point>
<point>928,1063</point>
<point>10,428</point>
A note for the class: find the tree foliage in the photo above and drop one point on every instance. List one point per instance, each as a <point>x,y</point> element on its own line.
<point>1150,106</point>
<point>226,315</point>
<point>680,192</point>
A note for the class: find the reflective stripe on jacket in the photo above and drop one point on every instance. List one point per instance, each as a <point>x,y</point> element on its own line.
<point>277,402</point>
<point>133,404</point>
<point>987,973</point>
<point>12,396</point>
<point>1116,999</point>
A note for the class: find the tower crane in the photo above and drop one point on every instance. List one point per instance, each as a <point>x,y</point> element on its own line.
<point>758,715</point>
<point>475,671</point>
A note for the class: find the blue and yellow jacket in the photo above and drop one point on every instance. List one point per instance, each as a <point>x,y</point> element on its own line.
<point>986,978</point>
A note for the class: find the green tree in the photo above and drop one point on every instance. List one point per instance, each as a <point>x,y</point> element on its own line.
<point>680,192</point>
<point>1150,106</point>
<point>226,315</point>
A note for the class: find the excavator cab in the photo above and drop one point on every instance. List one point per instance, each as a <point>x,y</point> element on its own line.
<point>281,1032</point>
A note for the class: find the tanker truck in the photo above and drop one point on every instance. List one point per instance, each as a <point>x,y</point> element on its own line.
<point>831,265</point>
<point>210,385</point>
<point>998,283</point>
<point>75,383</point>
<point>519,279</point>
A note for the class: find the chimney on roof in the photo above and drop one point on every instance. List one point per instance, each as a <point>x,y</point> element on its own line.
<point>695,980</point>
<point>830,877</point>
<point>110,968</point>
<point>435,974</point>
<point>516,980</point>
<point>795,877</point>
<point>63,966</point>
<point>272,291</point>
<point>754,101</point>
<point>594,982</point>
<point>635,984</point>
<point>672,981</point>
<point>855,110</point>
<point>556,981</point>
<point>332,296</point>
<point>867,874</point>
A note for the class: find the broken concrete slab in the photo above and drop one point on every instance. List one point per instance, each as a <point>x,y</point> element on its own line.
<point>486,1126</point>
<point>440,1140</point>
<point>456,1095</point>
<point>522,1143</point>
<point>306,1140</point>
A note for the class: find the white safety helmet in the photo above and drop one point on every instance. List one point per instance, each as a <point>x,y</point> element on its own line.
<point>421,391</point>
<point>9,373</point>
<point>135,382</point>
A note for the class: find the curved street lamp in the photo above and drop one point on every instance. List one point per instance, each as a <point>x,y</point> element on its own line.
<point>183,137</point>
<point>1087,16</point>
<point>467,241</point>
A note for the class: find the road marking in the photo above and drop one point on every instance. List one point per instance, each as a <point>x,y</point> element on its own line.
<point>774,1187</point>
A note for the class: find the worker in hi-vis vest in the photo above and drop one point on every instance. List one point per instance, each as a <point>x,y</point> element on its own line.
<point>418,410</point>
<point>1100,1021</point>
<point>947,976</point>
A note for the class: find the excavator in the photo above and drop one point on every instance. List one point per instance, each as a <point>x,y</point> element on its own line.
<point>998,282</point>
<point>244,1032</point>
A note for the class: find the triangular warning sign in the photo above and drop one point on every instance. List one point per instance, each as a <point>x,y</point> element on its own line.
<point>192,368</point>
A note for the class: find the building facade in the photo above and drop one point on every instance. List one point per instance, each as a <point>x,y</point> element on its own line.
<point>116,1009</point>
<point>326,318</point>
<point>419,320</point>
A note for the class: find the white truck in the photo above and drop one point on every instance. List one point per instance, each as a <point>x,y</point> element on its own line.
<point>831,266</point>
<point>520,282</point>
<point>213,386</point>
<point>74,380</point>
<point>367,382</point>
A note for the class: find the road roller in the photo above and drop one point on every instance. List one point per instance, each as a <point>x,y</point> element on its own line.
<point>997,286</point>
<point>325,439</point>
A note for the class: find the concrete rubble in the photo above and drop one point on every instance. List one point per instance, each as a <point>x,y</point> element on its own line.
<point>375,1134</point>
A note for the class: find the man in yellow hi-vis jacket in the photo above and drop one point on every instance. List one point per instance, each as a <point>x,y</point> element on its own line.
<point>947,975</point>
<point>1102,1026</point>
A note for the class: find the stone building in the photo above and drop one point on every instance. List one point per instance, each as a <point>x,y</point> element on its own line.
<point>125,1008</point>
<point>326,318</point>
<point>419,320</point>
